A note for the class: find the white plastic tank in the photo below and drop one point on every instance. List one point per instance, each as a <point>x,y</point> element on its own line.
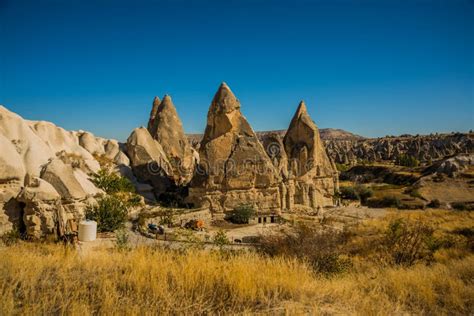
<point>87,230</point>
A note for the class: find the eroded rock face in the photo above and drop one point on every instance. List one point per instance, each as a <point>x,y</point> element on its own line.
<point>312,176</point>
<point>63,159</point>
<point>151,121</point>
<point>234,167</point>
<point>148,160</point>
<point>41,204</point>
<point>168,130</point>
<point>425,148</point>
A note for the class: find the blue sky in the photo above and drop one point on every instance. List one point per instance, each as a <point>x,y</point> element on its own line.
<point>370,67</point>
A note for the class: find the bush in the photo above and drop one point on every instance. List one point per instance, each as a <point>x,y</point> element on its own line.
<point>359,192</point>
<point>121,242</point>
<point>408,242</point>
<point>221,239</point>
<point>460,206</point>
<point>364,193</point>
<point>407,161</point>
<point>434,203</point>
<point>11,237</point>
<point>110,213</point>
<point>348,193</point>
<point>386,201</point>
<point>322,250</point>
<point>112,183</point>
<point>241,214</point>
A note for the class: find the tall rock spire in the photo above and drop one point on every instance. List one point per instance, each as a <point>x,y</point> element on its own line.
<point>154,110</point>
<point>168,131</point>
<point>308,162</point>
<point>233,160</point>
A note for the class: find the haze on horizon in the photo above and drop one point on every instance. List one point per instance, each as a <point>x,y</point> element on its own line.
<point>369,67</point>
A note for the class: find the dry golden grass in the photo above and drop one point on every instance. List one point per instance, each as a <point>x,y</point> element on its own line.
<point>50,279</point>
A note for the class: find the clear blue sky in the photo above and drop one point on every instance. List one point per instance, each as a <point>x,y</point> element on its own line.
<point>371,67</point>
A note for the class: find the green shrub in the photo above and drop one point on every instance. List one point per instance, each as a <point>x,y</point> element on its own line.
<point>342,167</point>
<point>111,182</point>
<point>348,193</point>
<point>359,192</point>
<point>408,242</point>
<point>11,237</point>
<point>221,239</point>
<point>434,203</point>
<point>241,214</point>
<point>323,250</point>
<point>386,201</point>
<point>121,241</point>
<point>364,193</point>
<point>461,206</point>
<point>110,213</point>
<point>413,192</point>
<point>407,161</point>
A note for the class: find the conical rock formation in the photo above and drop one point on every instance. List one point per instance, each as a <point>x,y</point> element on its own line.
<point>311,172</point>
<point>148,160</point>
<point>168,131</point>
<point>154,110</point>
<point>234,167</point>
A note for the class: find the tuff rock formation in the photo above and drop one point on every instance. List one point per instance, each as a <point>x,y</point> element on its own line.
<point>311,173</point>
<point>148,160</point>
<point>151,121</point>
<point>425,148</point>
<point>44,173</point>
<point>234,167</point>
<point>168,130</point>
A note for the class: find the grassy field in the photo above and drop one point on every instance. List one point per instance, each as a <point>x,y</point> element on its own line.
<point>51,279</point>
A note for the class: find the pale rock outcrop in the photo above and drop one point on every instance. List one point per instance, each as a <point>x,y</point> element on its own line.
<point>41,204</point>
<point>63,160</point>
<point>33,151</point>
<point>234,167</point>
<point>168,130</point>
<point>148,160</point>
<point>61,177</point>
<point>312,176</point>
<point>92,144</point>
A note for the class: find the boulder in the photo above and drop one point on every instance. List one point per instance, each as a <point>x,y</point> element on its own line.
<point>62,178</point>
<point>168,131</point>
<point>234,167</point>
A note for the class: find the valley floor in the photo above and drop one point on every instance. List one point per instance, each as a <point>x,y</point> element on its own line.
<point>152,279</point>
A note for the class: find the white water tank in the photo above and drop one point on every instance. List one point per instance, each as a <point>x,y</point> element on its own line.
<point>87,230</point>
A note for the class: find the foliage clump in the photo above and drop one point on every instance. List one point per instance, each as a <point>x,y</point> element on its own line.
<point>358,192</point>
<point>111,182</point>
<point>407,161</point>
<point>110,213</point>
<point>241,214</point>
<point>324,251</point>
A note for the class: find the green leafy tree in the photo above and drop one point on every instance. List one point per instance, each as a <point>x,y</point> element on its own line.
<point>111,182</point>
<point>110,213</point>
<point>242,214</point>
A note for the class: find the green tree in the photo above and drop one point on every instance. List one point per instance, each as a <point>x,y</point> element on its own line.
<point>242,214</point>
<point>110,213</point>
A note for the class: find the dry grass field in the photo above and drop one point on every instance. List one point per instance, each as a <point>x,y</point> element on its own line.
<point>51,279</point>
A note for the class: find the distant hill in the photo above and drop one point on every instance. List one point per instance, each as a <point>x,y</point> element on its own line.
<point>326,134</point>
